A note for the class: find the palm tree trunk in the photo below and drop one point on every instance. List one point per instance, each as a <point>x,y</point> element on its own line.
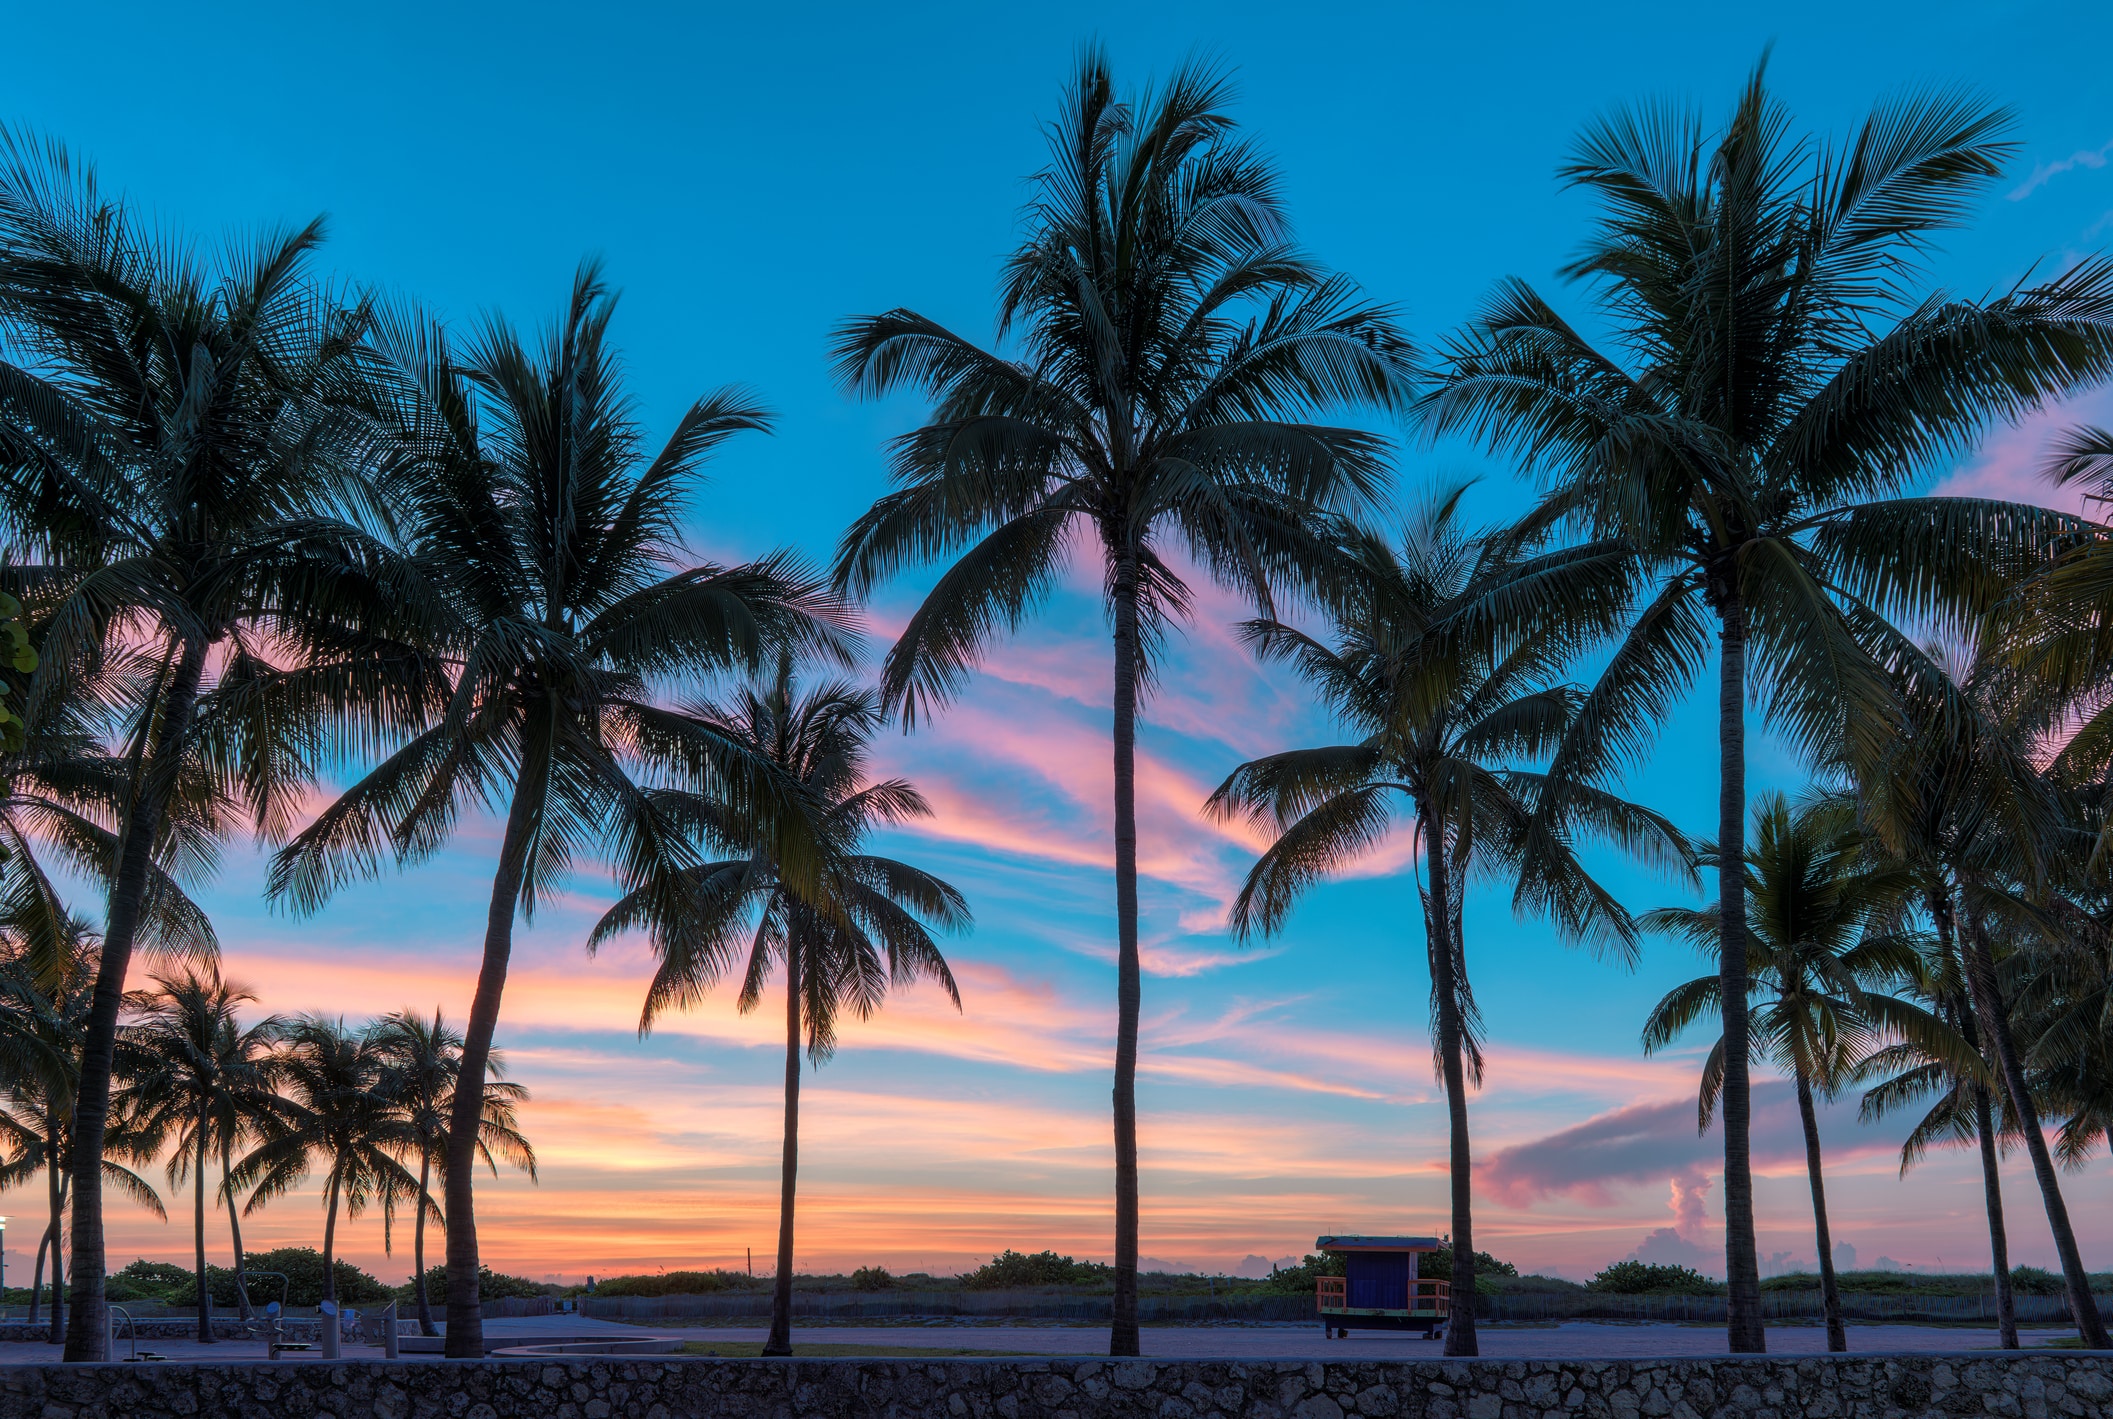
<point>36,1282</point>
<point>1830,1292</point>
<point>234,1222</point>
<point>205,1289</point>
<point>779,1342</point>
<point>1744,1331</point>
<point>1998,1242</point>
<point>1122,1332</point>
<point>1445,996</point>
<point>1995,1019</point>
<point>91,1103</point>
<point>465,1332</point>
<point>330,1238</point>
<point>57,1177</point>
<point>418,1242</point>
<point>1940,908</point>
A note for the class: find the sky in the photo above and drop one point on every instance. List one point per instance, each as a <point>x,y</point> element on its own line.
<point>753,175</point>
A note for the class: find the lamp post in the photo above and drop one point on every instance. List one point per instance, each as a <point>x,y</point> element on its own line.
<point>3,1263</point>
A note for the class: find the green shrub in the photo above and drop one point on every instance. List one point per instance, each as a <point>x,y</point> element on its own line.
<point>1636,1278</point>
<point>2031,1281</point>
<point>1301,1278</point>
<point>871,1278</point>
<point>145,1280</point>
<point>1043,1268</point>
<point>1438,1266</point>
<point>303,1269</point>
<point>673,1283</point>
<point>491,1286</point>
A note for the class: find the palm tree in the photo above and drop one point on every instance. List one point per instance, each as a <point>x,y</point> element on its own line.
<point>869,924</point>
<point>203,1081</point>
<point>424,1063</point>
<point>554,546</point>
<point>45,999</point>
<point>1172,346</point>
<point>183,449</point>
<point>1777,380</point>
<point>1445,665</point>
<point>1966,799</point>
<point>334,1109</point>
<point>1963,1102</point>
<point>1821,959</point>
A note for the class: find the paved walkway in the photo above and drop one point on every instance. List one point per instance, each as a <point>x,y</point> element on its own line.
<point>519,1330</point>
<point>1258,1342</point>
<point>1304,1342</point>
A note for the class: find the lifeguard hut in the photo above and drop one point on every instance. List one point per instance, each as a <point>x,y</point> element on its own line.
<point>1381,1290</point>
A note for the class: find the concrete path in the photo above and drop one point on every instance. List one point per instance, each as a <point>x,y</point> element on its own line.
<point>520,1330</point>
<point>1258,1342</point>
<point>1304,1342</point>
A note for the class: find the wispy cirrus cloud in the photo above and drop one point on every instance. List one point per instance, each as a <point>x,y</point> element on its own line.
<point>2044,173</point>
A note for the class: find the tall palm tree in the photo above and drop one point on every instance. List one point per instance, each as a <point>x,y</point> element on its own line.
<point>45,1001</point>
<point>1171,349</point>
<point>1822,961</point>
<point>552,538</point>
<point>868,922</point>
<point>424,1064</point>
<point>203,1082</point>
<point>1446,665</point>
<point>1776,379</point>
<point>183,460</point>
<point>334,1109</point>
<point>1967,798</point>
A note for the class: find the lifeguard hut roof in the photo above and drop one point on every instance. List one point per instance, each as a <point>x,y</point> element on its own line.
<point>1376,1244</point>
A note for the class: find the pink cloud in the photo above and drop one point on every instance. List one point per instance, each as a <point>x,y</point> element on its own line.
<point>1651,1142</point>
<point>2007,464</point>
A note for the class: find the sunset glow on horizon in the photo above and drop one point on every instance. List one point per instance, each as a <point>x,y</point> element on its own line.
<point>753,180</point>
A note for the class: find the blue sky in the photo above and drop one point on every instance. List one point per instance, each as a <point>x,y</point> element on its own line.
<point>754,175</point>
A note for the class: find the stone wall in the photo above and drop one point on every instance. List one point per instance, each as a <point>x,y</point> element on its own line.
<point>2033,1386</point>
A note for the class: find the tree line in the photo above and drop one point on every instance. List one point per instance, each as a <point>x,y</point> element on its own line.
<point>242,1112</point>
<point>264,528</point>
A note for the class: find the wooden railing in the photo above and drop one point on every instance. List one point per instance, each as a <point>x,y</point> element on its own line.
<point>1332,1293</point>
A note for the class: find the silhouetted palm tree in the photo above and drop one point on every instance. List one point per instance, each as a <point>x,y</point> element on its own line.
<point>1171,347</point>
<point>334,1109</point>
<point>181,445</point>
<point>423,1064</point>
<point>1775,380</point>
<point>1965,798</point>
<point>1446,663</point>
<point>867,923</point>
<point>201,1081</point>
<point>45,1001</point>
<point>1822,958</point>
<point>1964,1103</point>
<point>551,538</point>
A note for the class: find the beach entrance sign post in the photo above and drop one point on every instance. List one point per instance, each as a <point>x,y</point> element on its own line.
<point>1381,1290</point>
